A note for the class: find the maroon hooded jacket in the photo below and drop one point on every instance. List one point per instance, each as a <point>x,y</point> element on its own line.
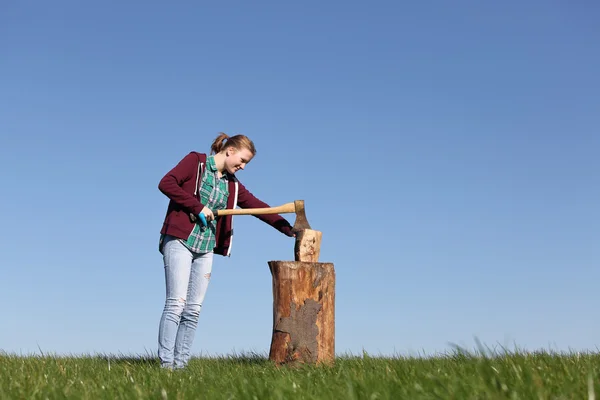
<point>181,186</point>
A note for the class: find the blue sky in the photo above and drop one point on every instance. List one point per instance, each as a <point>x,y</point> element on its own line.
<point>448,151</point>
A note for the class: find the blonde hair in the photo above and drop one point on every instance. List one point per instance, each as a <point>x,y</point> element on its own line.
<point>238,141</point>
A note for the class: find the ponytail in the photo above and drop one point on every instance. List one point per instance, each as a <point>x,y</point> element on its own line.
<point>238,141</point>
<point>217,145</point>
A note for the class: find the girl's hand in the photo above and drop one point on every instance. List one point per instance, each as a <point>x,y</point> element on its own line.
<point>205,215</point>
<point>208,214</point>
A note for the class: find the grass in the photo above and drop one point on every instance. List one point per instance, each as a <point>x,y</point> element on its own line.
<point>456,375</point>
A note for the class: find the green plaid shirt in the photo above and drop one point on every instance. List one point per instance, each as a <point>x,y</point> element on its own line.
<point>213,194</point>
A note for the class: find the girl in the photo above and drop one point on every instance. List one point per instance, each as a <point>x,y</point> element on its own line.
<point>196,186</point>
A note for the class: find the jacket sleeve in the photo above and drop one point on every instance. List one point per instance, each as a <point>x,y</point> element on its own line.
<point>171,184</point>
<point>248,200</point>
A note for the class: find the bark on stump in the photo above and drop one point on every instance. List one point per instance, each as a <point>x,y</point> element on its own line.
<point>303,305</point>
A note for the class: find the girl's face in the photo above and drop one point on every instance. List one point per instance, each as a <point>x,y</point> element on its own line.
<point>237,159</point>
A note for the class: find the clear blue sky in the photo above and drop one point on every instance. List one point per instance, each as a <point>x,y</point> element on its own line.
<point>448,151</point>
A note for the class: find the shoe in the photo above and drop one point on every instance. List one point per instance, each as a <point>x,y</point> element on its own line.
<point>167,367</point>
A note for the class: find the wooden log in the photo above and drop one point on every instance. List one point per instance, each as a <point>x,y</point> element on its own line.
<point>303,312</point>
<point>308,245</point>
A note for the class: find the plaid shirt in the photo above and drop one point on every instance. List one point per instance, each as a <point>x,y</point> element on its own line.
<point>213,194</point>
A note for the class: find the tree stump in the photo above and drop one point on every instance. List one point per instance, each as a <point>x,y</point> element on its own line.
<point>303,305</point>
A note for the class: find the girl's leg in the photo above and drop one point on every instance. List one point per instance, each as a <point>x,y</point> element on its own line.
<point>198,284</point>
<point>178,262</point>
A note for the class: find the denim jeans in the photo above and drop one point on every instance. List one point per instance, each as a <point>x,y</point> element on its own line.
<point>187,275</point>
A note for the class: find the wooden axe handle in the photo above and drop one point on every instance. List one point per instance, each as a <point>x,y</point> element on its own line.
<point>285,208</point>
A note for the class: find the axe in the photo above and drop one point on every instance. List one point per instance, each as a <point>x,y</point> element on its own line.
<point>297,206</point>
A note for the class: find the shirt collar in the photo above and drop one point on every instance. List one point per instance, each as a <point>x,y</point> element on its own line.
<point>210,163</point>
<point>212,167</point>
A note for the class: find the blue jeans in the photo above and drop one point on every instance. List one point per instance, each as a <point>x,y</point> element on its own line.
<point>187,275</point>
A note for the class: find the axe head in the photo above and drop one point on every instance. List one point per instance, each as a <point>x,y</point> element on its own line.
<point>301,221</point>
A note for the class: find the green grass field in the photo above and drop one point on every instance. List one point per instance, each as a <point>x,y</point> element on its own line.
<point>457,375</point>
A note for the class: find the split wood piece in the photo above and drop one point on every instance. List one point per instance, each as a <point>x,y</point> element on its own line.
<point>303,312</point>
<point>308,245</point>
